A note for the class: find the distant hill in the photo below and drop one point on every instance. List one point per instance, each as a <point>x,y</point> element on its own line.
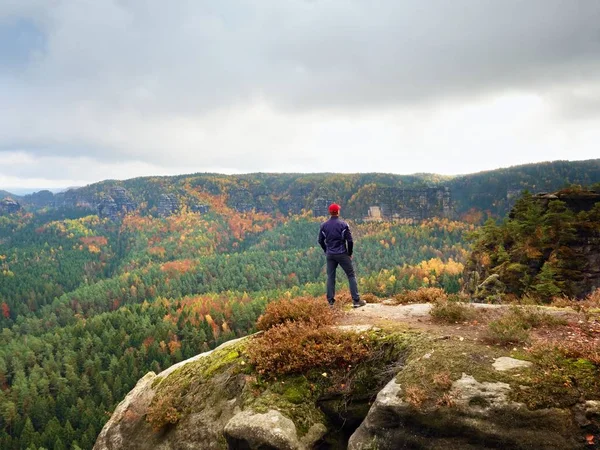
<point>4,194</point>
<point>412,196</point>
<point>497,190</point>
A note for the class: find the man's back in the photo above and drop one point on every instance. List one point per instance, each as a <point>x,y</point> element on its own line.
<point>333,235</point>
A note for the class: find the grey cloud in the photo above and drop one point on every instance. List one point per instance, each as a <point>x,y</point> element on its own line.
<point>106,68</point>
<point>192,56</point>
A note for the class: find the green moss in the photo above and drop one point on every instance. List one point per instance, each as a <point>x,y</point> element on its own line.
<point>188,388</point>
<point>552,381</point>
<point>556,381</point>
<point>430,359</point>
<point>221,360</point>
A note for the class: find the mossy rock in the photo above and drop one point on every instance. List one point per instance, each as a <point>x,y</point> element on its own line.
<point>426,405</point>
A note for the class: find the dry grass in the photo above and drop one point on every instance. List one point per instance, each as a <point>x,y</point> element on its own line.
<point>514,326</point>
<point>452,312</point>
<point>421,295</point>
<point>585,306</point>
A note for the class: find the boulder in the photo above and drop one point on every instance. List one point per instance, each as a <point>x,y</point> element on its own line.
<point>128,428</point>
<point>250,430</point>
<point>481,416</point>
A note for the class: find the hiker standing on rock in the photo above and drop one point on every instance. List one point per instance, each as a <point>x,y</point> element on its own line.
<point>336,240</point>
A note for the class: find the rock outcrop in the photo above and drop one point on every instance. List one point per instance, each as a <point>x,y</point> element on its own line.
<point>129,429</point>
<point>112,206</point>
<point>214,401</point>
<point>200,208</point>
<point>548,247</point>
<point>481,415</point>
<point>416,204</point>
<point>9,206</point>
<point>167,205</point>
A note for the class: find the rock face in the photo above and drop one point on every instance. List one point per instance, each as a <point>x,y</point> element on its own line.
<point>167,205</point>
<point>321,207</point>
<point>211,402</point>
<point>482,416</point>
<point>113,206</point>
<point>128,429</point>
<point>108,208</point>
<point>416,204</point>
<point>200,209</point>
<point>9,206</point>
<point>244,200</point>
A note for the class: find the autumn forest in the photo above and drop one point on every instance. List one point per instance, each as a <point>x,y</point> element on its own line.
<point>89,303</point>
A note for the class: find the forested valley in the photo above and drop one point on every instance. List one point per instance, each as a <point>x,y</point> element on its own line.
<point>88,305</point>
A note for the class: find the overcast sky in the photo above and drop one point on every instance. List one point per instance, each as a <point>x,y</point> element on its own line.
<point>97,89</point>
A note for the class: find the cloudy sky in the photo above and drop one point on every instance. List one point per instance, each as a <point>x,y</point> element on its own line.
<point>96,89</point>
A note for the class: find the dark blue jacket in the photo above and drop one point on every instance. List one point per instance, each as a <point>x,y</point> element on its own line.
<point>333,236</point>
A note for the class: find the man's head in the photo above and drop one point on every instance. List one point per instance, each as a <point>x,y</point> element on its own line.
<point>334,209</point>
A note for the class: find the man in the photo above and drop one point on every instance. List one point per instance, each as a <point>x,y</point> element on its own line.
<point>336,240</point>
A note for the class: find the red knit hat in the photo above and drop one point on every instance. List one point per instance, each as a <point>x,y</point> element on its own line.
<point>334,208</point>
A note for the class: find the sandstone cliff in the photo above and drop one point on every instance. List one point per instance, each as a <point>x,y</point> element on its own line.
<point>425,389</point>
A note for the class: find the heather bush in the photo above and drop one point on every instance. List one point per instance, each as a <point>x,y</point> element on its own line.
<point>506,331</point>
<point>532,317</point>
<point>585,306</point>
<point>451,312</point>
<point>301,346</point>
<point>415,395</point>
<point>370,298</point>
<point>421,295</point>
<point>301,309</point>
<point>580,350</point>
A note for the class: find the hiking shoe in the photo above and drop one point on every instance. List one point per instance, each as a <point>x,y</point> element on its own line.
<point>358,304</point>
<point>331,303</point>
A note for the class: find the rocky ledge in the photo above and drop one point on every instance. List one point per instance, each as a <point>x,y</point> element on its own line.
<point>420,391</point>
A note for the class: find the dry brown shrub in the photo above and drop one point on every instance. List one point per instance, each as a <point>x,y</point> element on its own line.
<point>442,380</point>
<point>301,309</point>
<point>452,312</point>
<point>162,413</point>
<point>296,347</point>
<point>445,400</point>
<point>590,302</point>
<point>370,298</point>
<point>580,350</point>
<point>415,395</point>
<point>421,295</point>
<point>594,298</point>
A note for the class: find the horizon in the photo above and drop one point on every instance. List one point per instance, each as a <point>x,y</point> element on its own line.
<point>19,191</point>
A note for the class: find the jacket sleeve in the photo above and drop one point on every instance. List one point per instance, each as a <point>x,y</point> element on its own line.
<point>349,241</point>
<point>321,239</point>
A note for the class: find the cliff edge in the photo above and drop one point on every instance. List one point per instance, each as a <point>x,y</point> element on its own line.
<point>423,385</point>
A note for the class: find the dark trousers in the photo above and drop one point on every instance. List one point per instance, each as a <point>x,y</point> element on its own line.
<point>346,263</point>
